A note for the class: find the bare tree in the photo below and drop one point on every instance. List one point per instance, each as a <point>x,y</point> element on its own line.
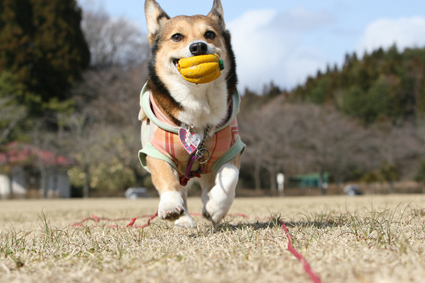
<point>10,116</point>
<point>250,127</point>
<point>420,136</point>
<point>108,98</point>
<point>44,140</point>
<point>330,138</point>
<point>113,41</point>
<point>114,101</point>
<point>281,137</point>
<point>272,135</point>
<point>87,143</point>
<point>393,145</point>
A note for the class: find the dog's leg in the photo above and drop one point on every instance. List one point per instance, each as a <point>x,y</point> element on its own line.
<point>219,190</point>
<point>185,219</point>
<point>172,204</point>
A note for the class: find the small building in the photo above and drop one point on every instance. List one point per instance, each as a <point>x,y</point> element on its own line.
<point>30,172</point>
<point>308,180</point>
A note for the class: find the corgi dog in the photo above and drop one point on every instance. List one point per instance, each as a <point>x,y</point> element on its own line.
<point>189,130</point>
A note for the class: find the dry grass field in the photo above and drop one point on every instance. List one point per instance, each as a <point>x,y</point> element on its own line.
<point>357,239</point>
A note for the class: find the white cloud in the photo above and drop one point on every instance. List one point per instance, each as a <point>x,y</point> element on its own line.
<point>405,32</point>
<point>270,45</point>
<point>300,19</point>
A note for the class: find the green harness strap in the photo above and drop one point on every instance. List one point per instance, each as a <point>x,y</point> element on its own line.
<point>149,149</point>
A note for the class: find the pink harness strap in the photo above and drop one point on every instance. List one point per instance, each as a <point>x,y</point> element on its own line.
<point>168,144</point>
<point>159,114</point>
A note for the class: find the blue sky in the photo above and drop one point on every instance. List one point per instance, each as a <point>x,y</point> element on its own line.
<point>285,41</point>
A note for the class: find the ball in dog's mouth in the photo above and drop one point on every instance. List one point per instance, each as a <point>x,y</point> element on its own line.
<point>200,69</point>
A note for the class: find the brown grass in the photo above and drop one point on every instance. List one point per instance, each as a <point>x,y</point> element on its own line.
<point>361,239</point>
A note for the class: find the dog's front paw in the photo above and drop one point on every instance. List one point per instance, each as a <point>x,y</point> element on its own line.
<point>171,206</point>
<point>215,211</point>
<point>219,199</point>
<point>185,221</point>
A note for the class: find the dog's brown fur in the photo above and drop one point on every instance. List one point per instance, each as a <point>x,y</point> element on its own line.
<point>165,89</point>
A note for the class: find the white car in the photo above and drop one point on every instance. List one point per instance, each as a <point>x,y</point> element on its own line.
<point>352,190</point>
<point>135,193</point>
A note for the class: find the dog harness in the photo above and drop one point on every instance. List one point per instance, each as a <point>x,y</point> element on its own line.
<point>160,140</point>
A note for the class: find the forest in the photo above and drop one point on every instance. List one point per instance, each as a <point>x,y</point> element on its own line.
<point>70,83</point>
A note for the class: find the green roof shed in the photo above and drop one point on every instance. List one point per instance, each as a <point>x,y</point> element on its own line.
<point>308,180</point>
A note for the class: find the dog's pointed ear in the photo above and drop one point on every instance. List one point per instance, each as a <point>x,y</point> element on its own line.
<point>155,18</point>
<point>217,13</point>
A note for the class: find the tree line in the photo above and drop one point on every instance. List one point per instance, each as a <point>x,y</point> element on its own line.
<point>363,121</point>
<point>383,85</point>
<point>70,82</point>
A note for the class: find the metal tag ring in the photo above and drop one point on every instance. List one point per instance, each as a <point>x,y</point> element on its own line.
<point>201,155</point>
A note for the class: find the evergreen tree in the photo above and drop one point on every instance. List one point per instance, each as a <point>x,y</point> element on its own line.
<point>320,92</point>
<point>355,103</point>
<point>363,77</point>
<point>383,84</point>
<point>421,97</point>
<point>42,44</point>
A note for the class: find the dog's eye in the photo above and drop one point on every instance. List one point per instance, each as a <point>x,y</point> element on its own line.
<point>177,37</point>
<point>209,35</point>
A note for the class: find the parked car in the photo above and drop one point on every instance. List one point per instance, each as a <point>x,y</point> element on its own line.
<point>135,193</point>
<point>352,190</point>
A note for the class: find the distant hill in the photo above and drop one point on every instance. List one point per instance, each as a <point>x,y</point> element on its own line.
<point>386,85</point>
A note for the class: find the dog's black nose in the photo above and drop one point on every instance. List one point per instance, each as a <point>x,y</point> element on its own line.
<point>198,48</point>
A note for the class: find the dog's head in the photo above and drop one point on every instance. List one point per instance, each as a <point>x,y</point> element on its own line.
<point>181,37</point>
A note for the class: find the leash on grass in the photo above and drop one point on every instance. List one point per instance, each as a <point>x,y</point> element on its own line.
<point>314,278</point>
<point>307,268</point>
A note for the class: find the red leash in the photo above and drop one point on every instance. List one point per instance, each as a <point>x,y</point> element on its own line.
<point>307,268</point>
<point>131,224</point>
<point>300,257</point>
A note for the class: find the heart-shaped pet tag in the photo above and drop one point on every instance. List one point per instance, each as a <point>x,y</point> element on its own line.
<point>189,140</point>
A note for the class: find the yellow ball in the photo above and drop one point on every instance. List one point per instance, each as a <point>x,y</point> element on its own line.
<point>200,69</point>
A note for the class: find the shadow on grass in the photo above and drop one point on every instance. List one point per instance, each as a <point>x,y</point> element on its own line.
<point>272,223</point>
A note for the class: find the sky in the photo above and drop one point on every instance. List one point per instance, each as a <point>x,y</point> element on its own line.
<point>285,41</point>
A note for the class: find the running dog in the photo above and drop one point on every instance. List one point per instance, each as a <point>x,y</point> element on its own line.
<point>188,112</point>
